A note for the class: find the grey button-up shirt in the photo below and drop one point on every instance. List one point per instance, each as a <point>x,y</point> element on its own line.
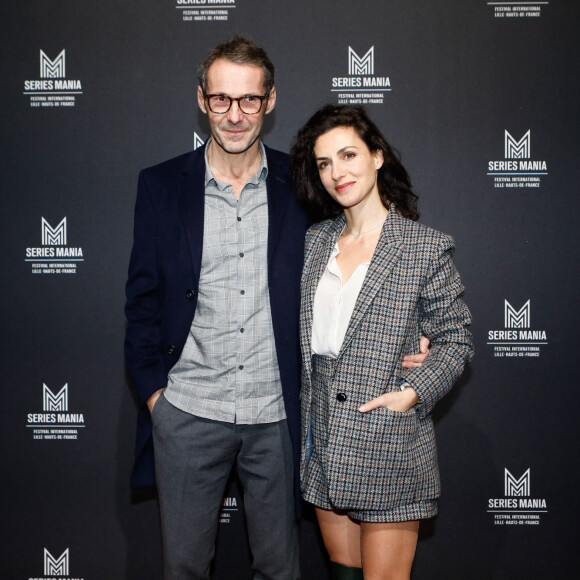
<point>228,370</point>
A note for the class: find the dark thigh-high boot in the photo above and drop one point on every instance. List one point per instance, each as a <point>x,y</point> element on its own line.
<point>342,572</point>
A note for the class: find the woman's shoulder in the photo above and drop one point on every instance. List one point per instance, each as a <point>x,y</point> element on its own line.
<point>421,234</point>
<point>325,227</point>
<point>319,227</point>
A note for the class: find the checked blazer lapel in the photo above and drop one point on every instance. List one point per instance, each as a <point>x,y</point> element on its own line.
<point>316,260</point>
<point>387,253</point>
<point>191,205</point>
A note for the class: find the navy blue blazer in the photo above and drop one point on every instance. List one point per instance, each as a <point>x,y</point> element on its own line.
<point>164,275</point>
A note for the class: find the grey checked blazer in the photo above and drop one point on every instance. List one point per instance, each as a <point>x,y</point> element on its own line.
<point>384,459</point>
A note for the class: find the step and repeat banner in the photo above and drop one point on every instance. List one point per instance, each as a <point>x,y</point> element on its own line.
<point>480,98</point>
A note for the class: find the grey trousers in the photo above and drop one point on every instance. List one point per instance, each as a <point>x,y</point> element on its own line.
<point>193,459</point>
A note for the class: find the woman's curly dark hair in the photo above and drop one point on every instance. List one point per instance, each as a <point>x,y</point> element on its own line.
<point>393,180</point>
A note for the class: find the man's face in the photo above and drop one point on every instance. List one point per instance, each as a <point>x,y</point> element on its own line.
<point>235,131</point>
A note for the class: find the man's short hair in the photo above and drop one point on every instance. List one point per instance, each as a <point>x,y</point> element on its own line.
<point>241,50</point>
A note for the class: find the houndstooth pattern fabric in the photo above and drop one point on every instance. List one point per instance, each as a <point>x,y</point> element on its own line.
<point>383,459</point>
<point>314,483</point>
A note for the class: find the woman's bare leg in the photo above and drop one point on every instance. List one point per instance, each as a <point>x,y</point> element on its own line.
<point>388,549</point>
<point>384,550</point>
<point>341,537</point>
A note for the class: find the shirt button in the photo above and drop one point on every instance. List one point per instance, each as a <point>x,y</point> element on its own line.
<point>242,329</point>
<point>242,292</point>
<point>241,367</point>
<point>241,254</point>
<point>341,397</point>
<point>239,219</point>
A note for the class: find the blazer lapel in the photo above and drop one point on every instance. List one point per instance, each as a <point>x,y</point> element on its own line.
<point>387,253</point>
<point>278,199</point>
<point>316,261</point>
<point>191,205</point>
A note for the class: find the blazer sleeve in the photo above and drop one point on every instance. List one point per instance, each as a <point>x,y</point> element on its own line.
<point>143,355</point>
<point>443,318</point>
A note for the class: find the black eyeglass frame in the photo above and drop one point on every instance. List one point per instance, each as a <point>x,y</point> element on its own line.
<point>238,99</point>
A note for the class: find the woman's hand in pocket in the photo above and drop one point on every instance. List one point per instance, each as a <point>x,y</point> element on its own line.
<point>399,401</point>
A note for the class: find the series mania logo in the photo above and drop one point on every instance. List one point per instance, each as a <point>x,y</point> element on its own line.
<point>55,421</point>
<point>517,169</point>
<point>517,339</point>
<point>53,89</point>
<point>517,507</point>
<point>361,86</point>
<point>56,566</point>
<point>55,256</point>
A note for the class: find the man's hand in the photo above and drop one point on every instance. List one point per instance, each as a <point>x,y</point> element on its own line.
<point>416,360</point>
<point>399,401</point>
<point>153,399</point>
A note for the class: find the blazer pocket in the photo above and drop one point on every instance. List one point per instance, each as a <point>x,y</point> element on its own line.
<point>398,428</point>
<point>387,465</point>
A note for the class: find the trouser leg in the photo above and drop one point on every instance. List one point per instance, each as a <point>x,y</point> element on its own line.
<point>193,459</point>
<point>266,471</point>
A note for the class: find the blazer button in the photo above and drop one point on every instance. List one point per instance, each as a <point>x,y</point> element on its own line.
<point>170,350</point>
<point>190,294</point>
<point>341,397</point>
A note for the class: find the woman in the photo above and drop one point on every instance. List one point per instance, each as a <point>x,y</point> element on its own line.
<point>374,280</point>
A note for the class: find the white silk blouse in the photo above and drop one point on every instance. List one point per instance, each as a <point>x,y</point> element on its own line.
<point>333,306</point>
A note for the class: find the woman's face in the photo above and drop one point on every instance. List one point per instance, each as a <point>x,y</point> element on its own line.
<point>347,169</point>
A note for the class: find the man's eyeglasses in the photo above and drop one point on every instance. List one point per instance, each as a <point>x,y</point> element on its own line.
<point>249,104</point>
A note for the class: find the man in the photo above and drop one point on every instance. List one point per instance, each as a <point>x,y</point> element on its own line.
<point>212,309</point>
<point>212,338</point>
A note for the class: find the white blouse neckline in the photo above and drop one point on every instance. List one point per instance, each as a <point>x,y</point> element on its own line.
<point>333,305</point>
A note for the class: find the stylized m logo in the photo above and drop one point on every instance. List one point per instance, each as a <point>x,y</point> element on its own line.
<point>517,149</point>
<point>197,140</point>
<point>361,66</point>
<point>52,69</point>
<point>52,402</point>
<point>517,487</point>
<point>55,566</point>
<point>517,318</point>
<point>54,236</point>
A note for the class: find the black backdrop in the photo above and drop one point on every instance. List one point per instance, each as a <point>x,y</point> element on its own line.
<point>480,98</point>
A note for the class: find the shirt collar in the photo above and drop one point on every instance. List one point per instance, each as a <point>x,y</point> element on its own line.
<point>258,177</point>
